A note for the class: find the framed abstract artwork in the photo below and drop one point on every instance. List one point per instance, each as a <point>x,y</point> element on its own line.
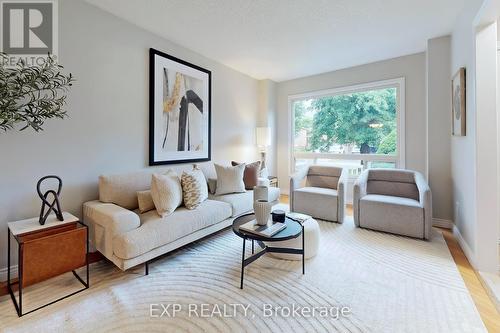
<point>458,103</point>
<point>179,110</point>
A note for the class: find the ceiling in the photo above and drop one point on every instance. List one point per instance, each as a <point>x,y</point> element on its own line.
<point>286,39</point>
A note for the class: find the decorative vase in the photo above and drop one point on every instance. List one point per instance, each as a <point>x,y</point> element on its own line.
<point>260,193</point>
<point>262,211</point>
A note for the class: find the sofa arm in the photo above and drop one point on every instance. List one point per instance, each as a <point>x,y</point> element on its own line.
<point>341,195</point>
<point>359,191</point>
<point>425,199</point>
<point>261,181</point>
<point>295,182</point>
<point>105,221</point>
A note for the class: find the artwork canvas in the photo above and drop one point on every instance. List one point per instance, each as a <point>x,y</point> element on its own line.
<point>179,126</point>
<point>458,103</point>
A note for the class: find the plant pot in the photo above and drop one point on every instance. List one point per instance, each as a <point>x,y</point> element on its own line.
<point>262,210</point>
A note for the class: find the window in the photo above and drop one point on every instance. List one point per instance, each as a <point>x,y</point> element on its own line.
<point>355,127</point>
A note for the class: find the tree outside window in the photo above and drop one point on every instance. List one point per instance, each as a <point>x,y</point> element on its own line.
<point>360,122</point>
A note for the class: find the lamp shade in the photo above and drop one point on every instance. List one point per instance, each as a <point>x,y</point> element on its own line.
<point>263,136</point>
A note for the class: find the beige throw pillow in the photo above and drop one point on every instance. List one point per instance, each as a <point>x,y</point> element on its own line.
<point>194,188</point>
<point>166,191</point>
<point>145,201</point>
<point>230,179</point>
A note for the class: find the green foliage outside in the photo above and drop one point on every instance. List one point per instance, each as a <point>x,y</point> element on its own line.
<point>388,144</point>
<point>365,119</point>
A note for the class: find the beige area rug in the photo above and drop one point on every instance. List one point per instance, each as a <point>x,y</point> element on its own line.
<point>389,283</point>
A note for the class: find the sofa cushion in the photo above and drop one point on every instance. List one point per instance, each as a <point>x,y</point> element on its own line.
<point>243,202</point>
<point>396,215</point>
<point>323,176</point>
<point>230,179</point>
<point>392,175</point>
<point>166,191</point>
<point>391,188</point>
<point>319,202</point>
<point>122,189</point>
<point>156,231</point>
<point>194,188</point>
<point>145,201</point>
<point>251,174</point>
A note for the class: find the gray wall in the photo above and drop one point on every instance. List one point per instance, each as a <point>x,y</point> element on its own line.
<point>411,67</point>
<point>107,128</point>
<point>439,126</point>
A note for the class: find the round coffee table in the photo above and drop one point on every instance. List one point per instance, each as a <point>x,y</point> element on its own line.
<point>293,230</point>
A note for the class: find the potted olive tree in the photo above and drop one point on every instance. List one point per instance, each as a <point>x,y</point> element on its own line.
<point>29,95</point>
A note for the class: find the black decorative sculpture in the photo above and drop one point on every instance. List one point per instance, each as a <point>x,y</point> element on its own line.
<point>55,206</point>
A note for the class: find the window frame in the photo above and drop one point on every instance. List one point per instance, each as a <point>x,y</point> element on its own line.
<point>399,158</point>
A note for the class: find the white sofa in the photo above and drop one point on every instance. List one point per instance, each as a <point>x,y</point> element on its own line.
<point>128,238</point>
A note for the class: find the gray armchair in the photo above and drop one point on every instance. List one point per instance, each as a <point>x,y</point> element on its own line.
<point>323,195</point>
<point>395,201</point>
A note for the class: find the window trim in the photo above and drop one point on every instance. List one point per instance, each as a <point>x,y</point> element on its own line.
<point>398,83</point>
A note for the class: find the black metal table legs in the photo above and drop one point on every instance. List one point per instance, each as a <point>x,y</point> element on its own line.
<point>243,263</point>
<point>303,252</point>
<point>10,284</point>
<point>266,249</point>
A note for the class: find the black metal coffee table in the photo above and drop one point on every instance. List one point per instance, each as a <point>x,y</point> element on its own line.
<point>293,230</point>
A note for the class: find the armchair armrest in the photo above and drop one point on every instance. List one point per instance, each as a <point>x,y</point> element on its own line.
<point>105,221</point>
<point>425,199</point>
<point>341,195</point>
<point>359,191</point>
<point>295,182</point>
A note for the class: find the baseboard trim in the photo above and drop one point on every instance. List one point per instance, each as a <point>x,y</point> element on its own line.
<point>442,223</point>
<point>465,247</point>
<point>3,273</point>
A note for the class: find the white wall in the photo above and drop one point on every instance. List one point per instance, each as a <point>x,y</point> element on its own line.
<point>463,149</point>
<point>267,117</point>
<point>411,67</point>
<point>107,128</point>
<point>487,210</point>
<point>498,106</point>
<point>439,126</point>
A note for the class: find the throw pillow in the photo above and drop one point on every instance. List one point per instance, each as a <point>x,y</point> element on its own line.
<point>230,179</point>
<point>145,201</point>
<point>212,185</point>
<point>251,174</point>
<point>194,188</point>
<point>166,191</point>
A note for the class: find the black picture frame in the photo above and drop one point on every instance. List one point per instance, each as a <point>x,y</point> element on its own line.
<point>152,97</point>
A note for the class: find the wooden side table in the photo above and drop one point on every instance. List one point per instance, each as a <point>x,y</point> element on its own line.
<point>46,251</point>
<point>273,181</point>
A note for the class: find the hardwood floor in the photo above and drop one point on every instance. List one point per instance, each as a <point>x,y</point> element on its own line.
<point>485,306</point>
